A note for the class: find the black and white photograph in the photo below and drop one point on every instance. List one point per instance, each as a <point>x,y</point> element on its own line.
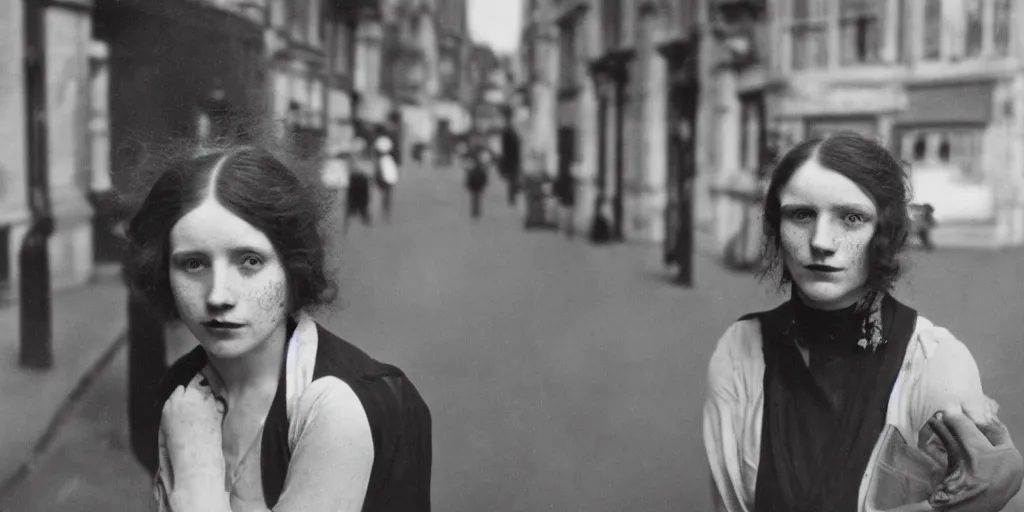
<point>511,255</point>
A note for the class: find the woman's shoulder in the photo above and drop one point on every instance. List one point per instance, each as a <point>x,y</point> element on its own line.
<point>945,368</point>
<point>938,345</point>
<point>381,387</point>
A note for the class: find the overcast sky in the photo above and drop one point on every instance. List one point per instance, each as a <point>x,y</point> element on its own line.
<point>496,22</point>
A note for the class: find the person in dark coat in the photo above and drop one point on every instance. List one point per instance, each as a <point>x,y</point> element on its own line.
<point>271,411</point>
<point>476,181</point>
<point>510,160</point>
<point>357,195</point>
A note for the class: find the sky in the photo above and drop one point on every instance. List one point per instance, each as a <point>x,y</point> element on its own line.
<point>496,23</point>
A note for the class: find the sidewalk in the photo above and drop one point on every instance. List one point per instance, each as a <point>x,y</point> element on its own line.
<point>89,323</point>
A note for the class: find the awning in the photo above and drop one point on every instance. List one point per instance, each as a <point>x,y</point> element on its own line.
<point>961,103</point>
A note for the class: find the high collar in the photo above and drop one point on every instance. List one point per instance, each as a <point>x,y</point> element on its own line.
<point>828,327</point>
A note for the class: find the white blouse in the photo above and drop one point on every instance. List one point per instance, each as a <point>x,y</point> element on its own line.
<point>938,373</point>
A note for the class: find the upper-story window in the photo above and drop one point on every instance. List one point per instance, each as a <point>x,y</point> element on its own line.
<point>1001,31</point>
<point>932,43</point>
<point>611,23</point>
<point>809,32</point>
<point>974,19</point>
<point>964,29</point>
<point>567,62</point>
<point>860,31</point>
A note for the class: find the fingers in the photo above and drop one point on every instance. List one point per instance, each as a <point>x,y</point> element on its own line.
<point>965,430</point>
<point>954,450</point>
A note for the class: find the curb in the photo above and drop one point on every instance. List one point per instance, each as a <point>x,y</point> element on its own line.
<point>42,446</point>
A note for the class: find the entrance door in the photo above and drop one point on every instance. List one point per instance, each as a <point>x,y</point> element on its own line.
<point>678,245</point>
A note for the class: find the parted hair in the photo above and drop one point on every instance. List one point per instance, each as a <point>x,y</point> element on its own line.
<point>254,185</point>
<point>875,170</point>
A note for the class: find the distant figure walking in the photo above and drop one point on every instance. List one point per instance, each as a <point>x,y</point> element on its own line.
<point>510,162</point>
<point>565,191</point>
<point>476,181</point>
<point>357,196</point>
<point>922,218</point>
<point>387,172</point>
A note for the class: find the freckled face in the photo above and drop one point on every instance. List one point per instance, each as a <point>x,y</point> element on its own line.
<point>228,283</point>
<point>826,226</point>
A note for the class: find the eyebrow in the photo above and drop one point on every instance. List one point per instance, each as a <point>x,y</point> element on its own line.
<point>234,250</point>
<point>839,206</point>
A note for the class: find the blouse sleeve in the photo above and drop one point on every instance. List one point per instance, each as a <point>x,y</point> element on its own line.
<point>949,378</point>
<point>333,455</point>
<point>722,413</point>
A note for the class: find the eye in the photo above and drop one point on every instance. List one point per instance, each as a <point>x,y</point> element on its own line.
<point>192,264</point>
<point>801,215</point>
<point>854,218</point>
<point>252,261</point>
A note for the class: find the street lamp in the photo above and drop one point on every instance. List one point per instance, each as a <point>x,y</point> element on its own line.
<point>36,348</point>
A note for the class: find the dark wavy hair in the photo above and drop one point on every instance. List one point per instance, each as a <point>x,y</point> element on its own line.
<point>254,185</point>
<point>875,170</point>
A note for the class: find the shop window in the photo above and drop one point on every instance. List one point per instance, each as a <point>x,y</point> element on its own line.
<point>860,31</point>
<point>932,48</point>
<point>809,34</point>
<point>920,148</point>
<point>951,148</point>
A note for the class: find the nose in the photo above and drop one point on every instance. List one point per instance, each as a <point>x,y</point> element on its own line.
<point>220,295</point>
<point>823,240</point>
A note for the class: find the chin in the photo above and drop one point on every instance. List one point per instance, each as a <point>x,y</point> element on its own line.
<point>227,349</point>
<point>827,295</point>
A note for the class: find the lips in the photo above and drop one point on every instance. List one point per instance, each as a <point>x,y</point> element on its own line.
<point>822,268</point>
<point>222,324</point>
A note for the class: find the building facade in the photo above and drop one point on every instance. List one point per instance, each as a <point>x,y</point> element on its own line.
<point>938,81</point>
<point>68,31</point>
<point>611,84</point>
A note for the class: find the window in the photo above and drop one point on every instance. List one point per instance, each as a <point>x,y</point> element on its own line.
<point>809,32</point>
<point>611,22</point>
<point>860,31</point>
<point>1003,15</point>
<point>974,33</point>
<point>567,55</point>
<point>932,30</point>
<point>949,148</point>
<point>342,42</point>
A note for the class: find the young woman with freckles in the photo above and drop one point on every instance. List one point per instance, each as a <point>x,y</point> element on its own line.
<point>843,398</point>
<point>271,411</point>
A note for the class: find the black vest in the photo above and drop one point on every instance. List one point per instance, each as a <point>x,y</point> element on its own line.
<point>399,421</point>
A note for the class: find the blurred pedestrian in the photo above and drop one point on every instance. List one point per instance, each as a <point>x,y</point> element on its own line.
<point>476,180</point>
<point>565,192</point>
<point>510,159</point>
<point>271,411</point>
<point>357,195</point>
<point>808,404</point>
<point>387,172</point>
<point>922,222</point>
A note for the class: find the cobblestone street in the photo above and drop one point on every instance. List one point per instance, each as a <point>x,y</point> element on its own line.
<point>561,376</point>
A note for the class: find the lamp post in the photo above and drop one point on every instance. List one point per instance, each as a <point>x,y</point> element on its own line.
<point>36,349</point>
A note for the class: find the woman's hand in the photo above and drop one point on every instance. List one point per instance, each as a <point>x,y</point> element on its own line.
<point>984,468</point>
<point>191,422</point>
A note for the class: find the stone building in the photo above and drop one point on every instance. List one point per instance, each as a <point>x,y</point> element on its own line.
<point>615,90</point>
<point>938,81</point>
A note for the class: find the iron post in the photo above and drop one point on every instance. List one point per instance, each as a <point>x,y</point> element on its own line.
<point>36,350</point>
